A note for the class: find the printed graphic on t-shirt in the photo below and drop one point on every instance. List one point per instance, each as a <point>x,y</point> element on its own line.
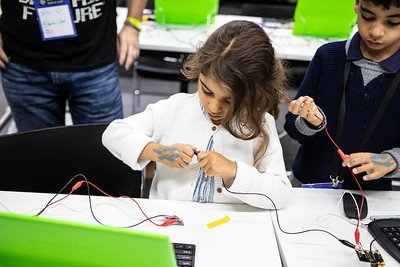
<point>83,10</point>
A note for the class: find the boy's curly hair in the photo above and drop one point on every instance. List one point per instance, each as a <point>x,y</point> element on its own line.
<point>385,3</point>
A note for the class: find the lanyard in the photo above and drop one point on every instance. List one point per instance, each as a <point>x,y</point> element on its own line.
<point>342,110</point>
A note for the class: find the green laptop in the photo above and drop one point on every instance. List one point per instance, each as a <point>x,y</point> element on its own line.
<point>33,241</point>
<point>194,12</point>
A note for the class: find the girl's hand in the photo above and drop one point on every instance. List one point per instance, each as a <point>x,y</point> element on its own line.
<point>215,164</point>
<point>375,165</point>
<point>305,107</point>
<point>174,156</point>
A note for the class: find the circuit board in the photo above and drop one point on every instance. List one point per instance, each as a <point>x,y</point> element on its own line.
<point>374,257</point>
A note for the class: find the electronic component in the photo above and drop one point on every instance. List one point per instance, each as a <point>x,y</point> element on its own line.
<point>372,256</point>
<point>172,220</point>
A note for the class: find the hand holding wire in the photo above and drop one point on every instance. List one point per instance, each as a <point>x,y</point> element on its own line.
<point>215,164</point>
<point>174,156</point>
<point>306,108</point>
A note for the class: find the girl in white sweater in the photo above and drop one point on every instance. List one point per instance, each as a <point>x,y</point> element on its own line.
<point>224,131</point>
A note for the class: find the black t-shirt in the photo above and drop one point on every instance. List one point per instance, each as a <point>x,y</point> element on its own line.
<point>95,45</point>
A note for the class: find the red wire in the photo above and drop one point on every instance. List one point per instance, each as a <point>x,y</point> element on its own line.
<point>342,156</point>
<point>79,183</point>
<point>125,196</point>
<point>54,202</point>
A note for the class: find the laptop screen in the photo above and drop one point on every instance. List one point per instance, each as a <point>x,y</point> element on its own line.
<point>35,241</point>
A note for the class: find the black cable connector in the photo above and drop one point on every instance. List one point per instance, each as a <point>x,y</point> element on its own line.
<point>347,243</point>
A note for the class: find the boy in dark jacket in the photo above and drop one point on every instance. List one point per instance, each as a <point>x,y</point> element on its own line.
<point>356,87</point>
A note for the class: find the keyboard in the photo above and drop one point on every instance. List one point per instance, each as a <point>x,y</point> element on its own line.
<point>387,234</point>
<point>184,254</point>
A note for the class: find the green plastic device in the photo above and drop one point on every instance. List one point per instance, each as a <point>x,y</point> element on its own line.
<point>186,11</point>
<point>33,241</point>
<point>324,18</point>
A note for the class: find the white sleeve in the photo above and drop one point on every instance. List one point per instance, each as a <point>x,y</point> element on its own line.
<point>127,138</point>
<point>268,177</point>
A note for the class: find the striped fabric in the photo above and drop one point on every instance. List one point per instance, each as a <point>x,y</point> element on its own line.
<point>205,185</point>
<point>204,190</point>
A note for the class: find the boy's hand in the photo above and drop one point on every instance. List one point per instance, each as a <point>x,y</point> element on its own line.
<point>174,156</point>
<point>375,165</point>
<point>215,164</point>
<point>305,107</point>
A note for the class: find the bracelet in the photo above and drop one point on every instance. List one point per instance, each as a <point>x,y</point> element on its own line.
<point>132,26</point>
<point>134,23</point>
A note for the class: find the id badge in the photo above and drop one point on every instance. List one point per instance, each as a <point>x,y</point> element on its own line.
<point>55,19</point>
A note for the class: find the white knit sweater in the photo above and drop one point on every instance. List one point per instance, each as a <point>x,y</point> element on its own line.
<point>180,119</point>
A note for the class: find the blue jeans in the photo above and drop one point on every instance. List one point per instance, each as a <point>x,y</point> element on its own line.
<point>38,98</point>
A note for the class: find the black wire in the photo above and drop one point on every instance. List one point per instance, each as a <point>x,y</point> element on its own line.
<point>370,244</point>
<point>59,192</point>
<point>90,204</point>
<point>97,220</point>
<point>344,242</point>
<point>373,240</point>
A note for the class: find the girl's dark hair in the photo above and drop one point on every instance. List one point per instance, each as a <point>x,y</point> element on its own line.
<point>239,56</point>
<point>385,3</point>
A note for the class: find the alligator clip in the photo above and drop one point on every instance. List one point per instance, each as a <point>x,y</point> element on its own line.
<point>172,220</point>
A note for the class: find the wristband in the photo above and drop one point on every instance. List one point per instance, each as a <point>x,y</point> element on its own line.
<point>134,23</point>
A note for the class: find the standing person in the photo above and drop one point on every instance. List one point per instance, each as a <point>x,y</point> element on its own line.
<point>65,50</point>
<point>230,120</point>
<point>356,87</point>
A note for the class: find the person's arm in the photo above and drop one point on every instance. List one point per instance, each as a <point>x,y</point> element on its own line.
<point>295,125</point>
<point>135,8</point>
<point>135,140</point>
<point>3,56</point>
<point>395,153</point>
<point>128,38</point>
